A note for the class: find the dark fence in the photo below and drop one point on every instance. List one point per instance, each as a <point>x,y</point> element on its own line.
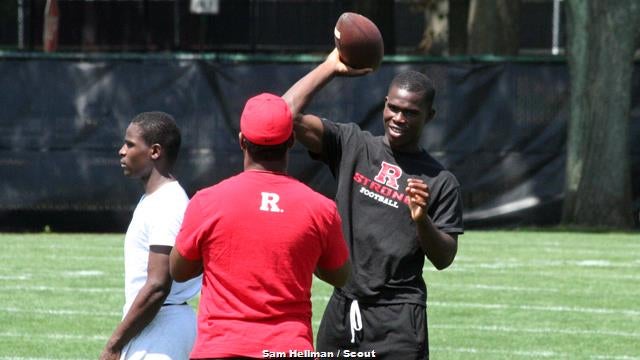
<point>248,26</point>
<point>500,127</point>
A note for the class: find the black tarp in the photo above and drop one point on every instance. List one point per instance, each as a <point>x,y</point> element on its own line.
<point>500,128</point>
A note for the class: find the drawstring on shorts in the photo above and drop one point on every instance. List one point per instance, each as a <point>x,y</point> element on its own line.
<point>355,320</point>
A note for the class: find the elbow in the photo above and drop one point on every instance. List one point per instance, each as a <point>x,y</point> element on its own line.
<point>178,276</point>
<point>441,265</point>
<point>444,262</point>
<point>340,282</point>
<point>337,278</point>
<point>160,289</point>
<point>343,275</point>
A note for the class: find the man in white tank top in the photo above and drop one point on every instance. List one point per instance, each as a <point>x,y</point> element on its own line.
<point>157,322</point>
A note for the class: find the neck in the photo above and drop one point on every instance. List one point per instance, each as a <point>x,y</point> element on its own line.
<point>272,166</point>
<point>407,148</point>
<point>155,180</point>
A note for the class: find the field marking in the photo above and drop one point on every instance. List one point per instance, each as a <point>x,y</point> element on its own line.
<point>539,330</point>
<point>583,263</point>
<point>566,291</point>
<point>493,287</point>
<point>15,277</point>
<point>62,289</point>
<point>555,308</point>
<point>55,336</point>
<point>589,275</point>
<point>83,273</point>
<point>628,243</point>
<point>66,257</point>
<point>534,353</point>
<point>63,312</point>
<point>36,358</point>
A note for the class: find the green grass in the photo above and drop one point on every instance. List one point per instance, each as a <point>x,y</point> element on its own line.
<point>508,295</point>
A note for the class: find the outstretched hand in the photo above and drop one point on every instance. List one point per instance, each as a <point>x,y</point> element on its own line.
<point>343,69</point>
<point>418,192</point>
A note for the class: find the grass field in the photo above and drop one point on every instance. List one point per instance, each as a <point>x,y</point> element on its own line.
<point>509,295</point>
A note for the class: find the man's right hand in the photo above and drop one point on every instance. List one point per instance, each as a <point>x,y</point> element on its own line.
<point>342,69</point>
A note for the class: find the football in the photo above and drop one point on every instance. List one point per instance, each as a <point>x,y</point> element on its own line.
<point>358,41</point>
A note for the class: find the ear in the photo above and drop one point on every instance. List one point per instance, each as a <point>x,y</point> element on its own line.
<point>241,140</point>
<point>430,115</point>
<point>291,141</point>
<point>155,151</point>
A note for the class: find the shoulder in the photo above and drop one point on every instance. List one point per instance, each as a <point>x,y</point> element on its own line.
<point>343,128</point>
<point>216,189</point>
<point>348,133</point>
<point>447,176</point>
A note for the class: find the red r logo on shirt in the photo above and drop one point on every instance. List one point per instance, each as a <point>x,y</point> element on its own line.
<point>389,175</point>
<point>270,202</point>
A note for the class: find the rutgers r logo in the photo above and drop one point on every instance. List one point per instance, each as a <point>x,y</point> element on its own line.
<point>270,202</point>
<point>389,175</point>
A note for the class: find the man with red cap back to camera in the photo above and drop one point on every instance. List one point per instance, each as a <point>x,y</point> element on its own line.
<point>258,238</point>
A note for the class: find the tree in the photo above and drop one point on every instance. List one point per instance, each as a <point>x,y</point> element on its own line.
<point>493,27</point>
<point>473,27</point>
<point>601,43</point>
<point>435,37</point>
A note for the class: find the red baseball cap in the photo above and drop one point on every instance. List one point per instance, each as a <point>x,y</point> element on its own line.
<point>266,120</point>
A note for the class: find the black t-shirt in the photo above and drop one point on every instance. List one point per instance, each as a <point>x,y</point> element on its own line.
<point>386,257</point>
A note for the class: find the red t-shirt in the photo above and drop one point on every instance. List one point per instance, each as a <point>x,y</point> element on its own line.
<point>260,236</point>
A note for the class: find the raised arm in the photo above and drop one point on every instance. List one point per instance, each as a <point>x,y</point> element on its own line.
<point>308,128</point>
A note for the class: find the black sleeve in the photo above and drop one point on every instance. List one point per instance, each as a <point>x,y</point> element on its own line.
<point>447,211</point>
<point>335,138</point>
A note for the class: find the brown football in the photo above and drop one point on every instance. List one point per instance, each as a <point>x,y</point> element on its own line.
<point>359,41</point>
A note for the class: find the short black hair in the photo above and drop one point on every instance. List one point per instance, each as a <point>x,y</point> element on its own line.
<point>160,128</point>
<point>416,82</point>
<point>267,152</point>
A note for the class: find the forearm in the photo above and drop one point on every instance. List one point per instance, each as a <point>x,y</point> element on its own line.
<point>143,310</point>
<point>301,93</point>
<point>439,247</point>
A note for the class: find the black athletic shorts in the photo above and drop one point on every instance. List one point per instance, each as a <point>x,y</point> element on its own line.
<point>397,331</point>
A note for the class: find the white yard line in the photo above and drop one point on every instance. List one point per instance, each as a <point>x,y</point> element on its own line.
<point>510,329</point>
<point>61,289</point>
<point>37,358</point>
<point>55,336</point>
<point>63,312</point>
<point>493,287</point>
<point>535,353</point>
<point>584,263</point>
<point>580,291</point>
<point>66,258</point>
<point>15,277</point>
<point>553,308</point>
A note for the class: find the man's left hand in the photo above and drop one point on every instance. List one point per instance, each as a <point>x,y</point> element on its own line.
<point>418,192</point>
